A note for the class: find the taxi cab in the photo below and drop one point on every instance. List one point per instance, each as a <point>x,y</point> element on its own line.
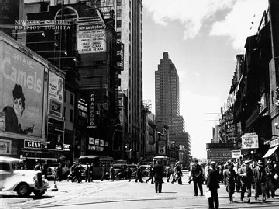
<point>24,182</point>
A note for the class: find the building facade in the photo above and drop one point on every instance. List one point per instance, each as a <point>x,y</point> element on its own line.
<point>170,124</point>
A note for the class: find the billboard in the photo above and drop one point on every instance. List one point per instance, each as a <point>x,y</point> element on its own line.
<point>55,95</point>
<point>21,92</point>
<point>91,38</point>
<point>250,141</point>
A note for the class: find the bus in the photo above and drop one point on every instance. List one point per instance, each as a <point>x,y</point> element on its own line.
<point>165,161</point>
<point>101,164</point>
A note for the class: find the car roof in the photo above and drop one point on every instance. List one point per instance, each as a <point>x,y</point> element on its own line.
<point>10,159</point>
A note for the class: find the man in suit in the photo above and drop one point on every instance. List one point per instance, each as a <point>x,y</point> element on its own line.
<point>212,186</point>
<point>158,176</point>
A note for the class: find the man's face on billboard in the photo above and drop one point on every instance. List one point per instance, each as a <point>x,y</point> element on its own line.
<point>18,106</point>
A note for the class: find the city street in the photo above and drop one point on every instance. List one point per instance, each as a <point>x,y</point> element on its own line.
<point>124,194</point>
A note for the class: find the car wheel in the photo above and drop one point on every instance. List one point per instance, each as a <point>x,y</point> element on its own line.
<point>23,190</point>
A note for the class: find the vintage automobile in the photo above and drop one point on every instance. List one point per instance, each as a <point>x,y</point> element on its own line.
<point>24,182</point>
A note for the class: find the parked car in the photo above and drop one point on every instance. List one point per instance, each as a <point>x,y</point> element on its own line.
<point>24,182</point>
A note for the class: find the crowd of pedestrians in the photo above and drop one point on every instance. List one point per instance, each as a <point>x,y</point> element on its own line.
<point>242,176</point>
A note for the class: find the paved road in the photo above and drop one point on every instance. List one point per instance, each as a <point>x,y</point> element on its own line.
<point>126,195</point>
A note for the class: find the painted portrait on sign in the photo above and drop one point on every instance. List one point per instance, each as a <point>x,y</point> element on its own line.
<point>21,92</point>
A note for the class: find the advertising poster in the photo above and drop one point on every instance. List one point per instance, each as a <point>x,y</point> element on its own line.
<point>55,95</point>
<point>250,141</point>
<point>5,147</point>
<point>21,92</point>
<point>91,38</point>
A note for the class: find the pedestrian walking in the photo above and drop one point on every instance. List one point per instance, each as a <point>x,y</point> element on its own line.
<point>260,181</point>
<point>230,179</point>
<point>270,181</point>
<point>112,173</point>
<point>151,175</point>
<point>158,176</point>
<point>213,186</point>
<point>196,175</point>
<point>138,175</point>
<point>91,168</point>
<point>246,178</point>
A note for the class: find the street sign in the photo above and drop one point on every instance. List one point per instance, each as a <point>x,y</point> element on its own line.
<point>236,153</point>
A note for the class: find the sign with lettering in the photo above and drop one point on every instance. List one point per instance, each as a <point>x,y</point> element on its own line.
<point>91,38</point>
<point>32,144</point>
<point>55,94</point>
<point>250,141</point>
<point>91,112</point>
<point>236,153</point>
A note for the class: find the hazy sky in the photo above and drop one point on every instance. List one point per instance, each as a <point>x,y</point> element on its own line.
<point>202,38</point>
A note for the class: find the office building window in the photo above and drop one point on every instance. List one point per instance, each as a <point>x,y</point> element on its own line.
<point>64,113</point>
<point>118,35</point>
<point>118,23</point>
<point>119,13</point>
<point>71,115</point>
<point>119,2</point>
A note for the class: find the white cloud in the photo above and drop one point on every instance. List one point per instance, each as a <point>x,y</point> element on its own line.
<point>190,13</point>
<point>238,22</point>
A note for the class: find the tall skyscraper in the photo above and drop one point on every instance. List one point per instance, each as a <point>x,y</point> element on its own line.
<point>129,32</point>
<point>167,108</point>
<point>128,24</point>
<point>167,96</point>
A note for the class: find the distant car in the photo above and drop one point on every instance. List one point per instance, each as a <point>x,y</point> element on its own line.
<point>24,182</point>
<point>119,170</point>
<point>145,170</point>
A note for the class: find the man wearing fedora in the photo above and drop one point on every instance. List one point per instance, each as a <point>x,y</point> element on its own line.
<point>260,181</point>
<point>246,178</point>
<point>213,185</point>
<point>270,182</point>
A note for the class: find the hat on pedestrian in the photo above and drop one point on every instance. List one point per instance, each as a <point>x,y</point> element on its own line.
<point>260,163</point>
<point>212,162</point>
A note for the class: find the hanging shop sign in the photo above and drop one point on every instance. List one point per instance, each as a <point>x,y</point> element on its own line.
<point>55,94</point>
<point>5,147</point>
<point>91,38</point>
<point>33,144</point>
<point>236,153</point>
<point>91,122</point>
<point>250,141</point>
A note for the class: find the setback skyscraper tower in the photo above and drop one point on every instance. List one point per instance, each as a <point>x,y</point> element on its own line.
<point>168,105</point>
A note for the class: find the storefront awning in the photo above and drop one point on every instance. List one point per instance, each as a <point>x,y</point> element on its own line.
<point>270,152</point>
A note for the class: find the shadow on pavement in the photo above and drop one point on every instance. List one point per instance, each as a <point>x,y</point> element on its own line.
<point>31,196</point>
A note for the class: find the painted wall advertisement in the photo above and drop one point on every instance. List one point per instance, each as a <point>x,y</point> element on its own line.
<point>21,92</point>
<point>55,95</point>
<point>250,141</point>
<point>91,38</point>
<point>5,147</point>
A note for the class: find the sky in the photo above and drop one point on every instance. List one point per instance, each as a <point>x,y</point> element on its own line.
<point>202,38</point>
